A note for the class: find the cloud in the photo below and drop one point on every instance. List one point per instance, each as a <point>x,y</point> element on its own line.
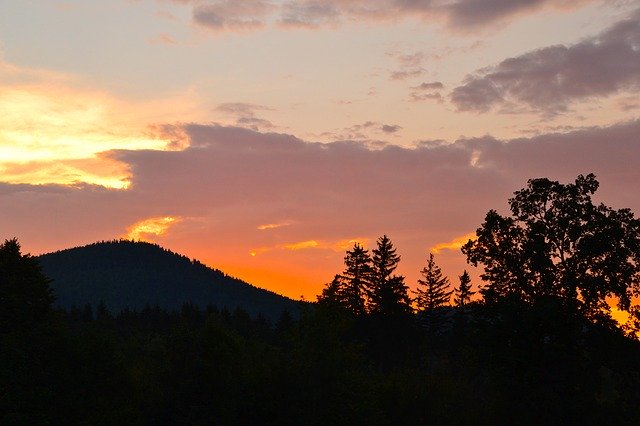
<point>434,85</point>
<point>391,128</point>
<point>474,13</point>
<point>232,14</point>
<point>309,14</point>
<point>454,244</point>
<point>233,178</point>
<point>550,80</point>
<point>245,114</point>
<point>302,245</point>
<point>366,132</point>
<point>149,228</point>
<point>54,129</point>
<point>270,226</point>
<point>426,92</point>
<point>459,15</point>
<point>407,74</point>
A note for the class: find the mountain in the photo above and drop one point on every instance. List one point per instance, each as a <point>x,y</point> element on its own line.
<point>127,274</point>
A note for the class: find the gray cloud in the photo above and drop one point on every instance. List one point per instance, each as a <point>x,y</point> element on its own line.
<point>309,14</point>
<point>232,14</point>
<point>407,74</point>
<point>550,80</point>
<point>245,114</point>
<point>457,14</point>
<point>390,128</point>
<point>426,92</point>
<point>435,85</point>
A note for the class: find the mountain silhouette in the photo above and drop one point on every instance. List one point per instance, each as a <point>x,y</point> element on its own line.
<point>126,274</point>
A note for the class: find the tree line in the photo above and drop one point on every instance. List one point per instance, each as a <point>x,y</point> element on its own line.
<point>557,246</point>
<point>536,348</point>
<point>369,286</point>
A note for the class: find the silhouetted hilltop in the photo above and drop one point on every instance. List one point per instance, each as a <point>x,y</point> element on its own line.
<point>127,274</point>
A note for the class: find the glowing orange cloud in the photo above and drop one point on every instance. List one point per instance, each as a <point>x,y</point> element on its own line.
<point>311,244</point>
<point>155,226</point>
<point>53,132</point>
<point>454,244</point>
<point>302,245</point>
<point>273,226</point>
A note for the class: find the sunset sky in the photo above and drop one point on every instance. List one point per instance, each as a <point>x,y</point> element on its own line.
<point>266,137</point>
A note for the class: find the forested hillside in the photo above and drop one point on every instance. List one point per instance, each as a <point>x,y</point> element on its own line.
<point>131,275</point>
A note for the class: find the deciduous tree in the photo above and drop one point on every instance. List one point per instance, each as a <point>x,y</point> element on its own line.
<point>558,243</point>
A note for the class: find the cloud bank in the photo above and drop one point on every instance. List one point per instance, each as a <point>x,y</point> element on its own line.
<point>465,15</point>
<point>232,181</point>
<point>550,80</point>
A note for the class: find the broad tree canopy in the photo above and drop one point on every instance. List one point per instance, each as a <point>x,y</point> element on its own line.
<point>558,243</point>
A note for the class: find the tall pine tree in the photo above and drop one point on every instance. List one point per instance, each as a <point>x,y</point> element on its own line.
<point>433,293</point>
<point>462,294</point>
<point>387,292</point>
<point>331,293</point>
<point>355,279</point>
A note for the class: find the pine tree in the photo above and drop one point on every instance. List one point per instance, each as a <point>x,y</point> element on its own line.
<point>387,291</point>
<point>331,293</point>
<point>355,279</point>
<point>25,296</point>
<point>434,288</point>
<point>433,293</point>
<point>463,293</point>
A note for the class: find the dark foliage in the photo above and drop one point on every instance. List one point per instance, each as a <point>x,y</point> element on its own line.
<point>559,244</point>
<point>387,291</point>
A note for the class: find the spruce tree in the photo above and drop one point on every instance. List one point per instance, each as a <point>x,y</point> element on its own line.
<point>355,279</point>
<point>433,293</point>
<point>462,294</point>
<point>25,296</point>
<point>387,292</point>
<point>331,294</point>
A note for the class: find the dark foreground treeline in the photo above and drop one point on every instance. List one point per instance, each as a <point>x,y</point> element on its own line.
<point>501,364</point>
<point>540,346</point>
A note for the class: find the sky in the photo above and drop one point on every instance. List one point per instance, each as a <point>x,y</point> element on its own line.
<point>266,137</point>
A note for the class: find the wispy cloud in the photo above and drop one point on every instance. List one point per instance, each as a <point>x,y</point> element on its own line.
<point>454,244</point>
<point>269,226</point>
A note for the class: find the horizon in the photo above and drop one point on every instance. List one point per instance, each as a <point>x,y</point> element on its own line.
<point>264,139</point>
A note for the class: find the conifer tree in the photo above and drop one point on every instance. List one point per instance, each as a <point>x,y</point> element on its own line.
<point>331,293</point>
<point>433,291</point>
<point>387,292</point>
<point>355,279</point>
<point>462,294</point>
<point>25,296</point>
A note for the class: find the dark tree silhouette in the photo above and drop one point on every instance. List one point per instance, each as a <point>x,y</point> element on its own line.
<point>433,291</point>
<point>558,244</point>
<point>355,279</point>
<point>25,295</point>
<point>462,294</point>
<point>387,292</point>
<point>332,293</point>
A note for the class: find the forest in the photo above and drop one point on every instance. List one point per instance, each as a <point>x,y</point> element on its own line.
<point>535,344</point>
